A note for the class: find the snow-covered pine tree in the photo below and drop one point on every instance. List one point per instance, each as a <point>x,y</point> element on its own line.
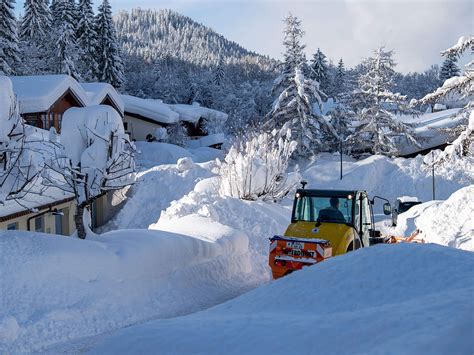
<point>219,74</point>
<point>461,87</point>
<point>339,79</point>
<point>109,61</point>
<point>373,102</point>
<point>449,68</point>
<point>293,109</point>
<point>9,51</point>
<point>35,27</point>
<point>63,37</point>
<point>319,70</point>
<point>87,40</point>
<point>294,56</point>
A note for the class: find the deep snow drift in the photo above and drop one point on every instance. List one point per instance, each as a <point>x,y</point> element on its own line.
<point>449,222</point>
<point>389,299</point>
<point>55,288</point>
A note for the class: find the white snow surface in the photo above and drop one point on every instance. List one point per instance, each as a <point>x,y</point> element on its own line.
<point>408,199</point>
<point>152,109</point>
<point>196,249</point>
<point>36,93</point>
<point>389,299</point>
<point>97,92</point>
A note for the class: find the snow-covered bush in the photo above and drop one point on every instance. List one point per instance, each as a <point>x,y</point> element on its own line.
<point>17,169</point>
<point>97,156</point>
<point>177,134</point>
<point>257,168</point>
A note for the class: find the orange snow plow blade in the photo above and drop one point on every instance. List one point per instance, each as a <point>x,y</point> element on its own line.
<point>413,238</point>
<point>289,254</point>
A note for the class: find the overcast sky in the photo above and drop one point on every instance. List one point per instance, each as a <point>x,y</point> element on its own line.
<point>416,30</point>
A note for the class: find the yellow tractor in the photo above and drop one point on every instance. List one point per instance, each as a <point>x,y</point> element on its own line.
<point>324,223</point>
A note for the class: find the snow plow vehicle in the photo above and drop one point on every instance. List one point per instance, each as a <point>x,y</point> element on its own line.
<point>325,223</point>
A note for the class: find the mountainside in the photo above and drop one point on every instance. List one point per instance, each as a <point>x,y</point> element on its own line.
<point>153,34</point>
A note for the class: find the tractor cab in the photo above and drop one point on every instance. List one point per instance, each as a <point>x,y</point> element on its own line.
<point>339,216</point>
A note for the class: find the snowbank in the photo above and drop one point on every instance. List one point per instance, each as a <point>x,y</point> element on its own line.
<point>56,288</point>
<point>391,299</point>
<point>155,153</point>
<point>447,222</point>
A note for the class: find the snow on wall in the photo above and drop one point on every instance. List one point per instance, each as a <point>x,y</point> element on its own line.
<point>97,92</point>
<point>37,93</point>
<point>152,109</point>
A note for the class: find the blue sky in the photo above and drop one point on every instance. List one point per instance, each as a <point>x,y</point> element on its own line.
<point>416,30</point>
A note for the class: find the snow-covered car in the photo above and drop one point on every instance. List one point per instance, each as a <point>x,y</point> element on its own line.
<point>403,204</point>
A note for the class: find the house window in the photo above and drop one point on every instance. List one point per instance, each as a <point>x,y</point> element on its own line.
<point>58,223</point>
<point>39,224</point>
<point>125,126</point>
<point>12,226</point>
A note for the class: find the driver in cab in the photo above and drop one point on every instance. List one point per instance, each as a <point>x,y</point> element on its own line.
<point>331,213</point>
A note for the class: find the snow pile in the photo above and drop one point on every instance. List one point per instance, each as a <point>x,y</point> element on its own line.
<point>415,300</point>
<point>154,153</point>
<point>204,206</point>
<point>56,288</point>
<point>447,222</point>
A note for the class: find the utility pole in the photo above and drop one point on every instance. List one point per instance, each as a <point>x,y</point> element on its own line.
<point>433,173</point>
<point>340,150</point>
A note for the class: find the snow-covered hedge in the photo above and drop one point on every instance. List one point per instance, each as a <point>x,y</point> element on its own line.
<point>256,169</point>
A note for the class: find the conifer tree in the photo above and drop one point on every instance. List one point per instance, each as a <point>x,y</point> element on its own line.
<point>219,74</point>
<point>35,42</point>
<point>63,39</point>
<point>339,79</point>
<point>319,70</point>
<point>9,51</point>
<point>109,61</point>
<point>449,68</point>
<point>293,109</point>
<point>373,102</point>
<point>87,40</point>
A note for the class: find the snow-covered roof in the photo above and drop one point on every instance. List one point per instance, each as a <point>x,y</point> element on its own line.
<point>152,109</point>
<point>404,199</point>
<point>37,93</point>
<point>194,112</point>
<point>97,92</point>
<point>207,141</point>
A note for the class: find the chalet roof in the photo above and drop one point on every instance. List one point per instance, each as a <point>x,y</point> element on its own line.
<point>97,92</point>
<point>151,109</point>
<point>37,93</point>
